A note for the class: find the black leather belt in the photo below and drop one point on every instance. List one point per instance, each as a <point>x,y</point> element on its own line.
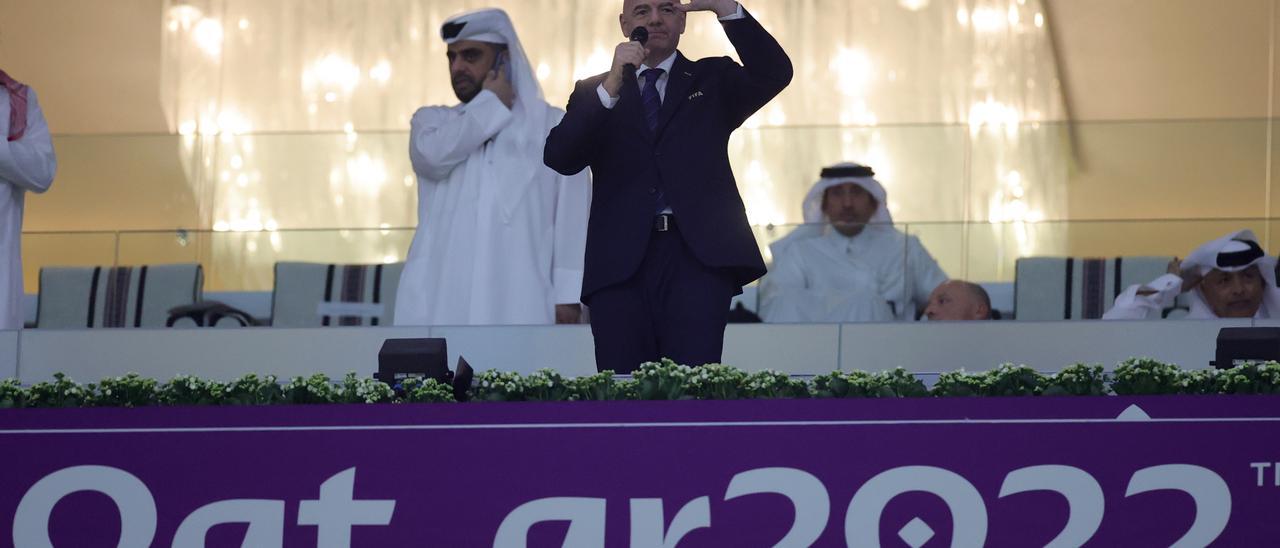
<point>664,222</point>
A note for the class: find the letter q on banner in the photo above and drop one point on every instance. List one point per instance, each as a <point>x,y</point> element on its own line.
<point>132,498</point>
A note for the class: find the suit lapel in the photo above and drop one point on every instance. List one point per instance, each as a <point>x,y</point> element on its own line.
<point>678,83</point>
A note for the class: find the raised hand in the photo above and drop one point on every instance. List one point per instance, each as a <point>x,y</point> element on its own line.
<point>497,82</point>
<point>627,53</point>
<point>720,7</point>
<point>1190,276</point>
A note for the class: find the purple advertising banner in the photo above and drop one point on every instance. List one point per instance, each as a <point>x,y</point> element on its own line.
<point>1109,471</point>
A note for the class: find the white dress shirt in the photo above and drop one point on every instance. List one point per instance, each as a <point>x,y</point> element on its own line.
<point>665,65</point>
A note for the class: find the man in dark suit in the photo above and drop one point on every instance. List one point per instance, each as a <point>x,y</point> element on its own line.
<point>668,243</point>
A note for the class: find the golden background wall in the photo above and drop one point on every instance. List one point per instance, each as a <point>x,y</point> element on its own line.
<point>237,144</point>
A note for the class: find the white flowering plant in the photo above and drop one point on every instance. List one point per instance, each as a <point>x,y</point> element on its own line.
<point>1200,381</point>
<point>663,380</point>
<point>495,386</point>
<point>251,389</point>
<point>1249,378</point>
<point>1013,380</point>
<point>130,390</point>
<point>844,384</point>
<point>770,384</point>
<point>310,390</point>
<point>960,384</point>
<point>548,385</point>
<point>424,390</point>
<point>1145,376</point>
<point>191,390</point>
<point>1076,380</point>
<point>1005,380</point>
<point>355,389</point>
<point>715,381</point>
<point>602,387</point>
<point>897,383</point>
<point>12,395</point>
<point>62,392</point>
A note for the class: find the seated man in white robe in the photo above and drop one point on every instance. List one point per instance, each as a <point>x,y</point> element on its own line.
<point>958,300</point>
<point>1230,277</point>
<point>27,164</point>
<point>848,263</point>
<point>500,237</point>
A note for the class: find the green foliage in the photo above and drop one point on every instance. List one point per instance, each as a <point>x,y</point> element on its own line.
<point>548,385</point>
<point>12,395</point>
<point>253,390</point>
<point>1013,380</point>
<point>897,383</point>
<point>310,390</point>
<point>494,385</point>
<point>664,380</point>
<point>363,390</point>
<point>1076,380</point>
<point>1145,376</point>
<point>845,384</point>
<point>960,384</point>
<point>602,387</point>
<point>191,390</point>
<point>1200,381</point>
<point>715,381</point>
<point>131,390</point>
<point>769,384</point>
<point>419,390</point>
<point>62,392</point>
<point>1250,378</point>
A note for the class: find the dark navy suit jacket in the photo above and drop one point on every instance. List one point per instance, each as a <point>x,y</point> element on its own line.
<point>686,158</point>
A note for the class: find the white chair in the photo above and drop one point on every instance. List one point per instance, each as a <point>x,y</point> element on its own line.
<point>122,296</point>
<point>323,295</point>
<point>1071,288</point>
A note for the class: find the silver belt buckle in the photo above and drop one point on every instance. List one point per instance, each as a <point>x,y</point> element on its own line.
<point>663,223</point>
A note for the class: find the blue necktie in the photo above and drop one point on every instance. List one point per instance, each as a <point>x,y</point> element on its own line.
<point>652,101</point>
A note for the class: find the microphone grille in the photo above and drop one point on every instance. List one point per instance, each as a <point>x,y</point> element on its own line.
<point>640,34</point>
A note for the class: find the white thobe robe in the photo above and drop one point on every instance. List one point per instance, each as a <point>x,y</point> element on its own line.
<point>1130,305</point>
<point>26,165</point>
<point>487,251</point>
<point>880,274</point>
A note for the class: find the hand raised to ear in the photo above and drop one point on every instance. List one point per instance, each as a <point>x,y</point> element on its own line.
<point>496,81</point>
<point>720,7</point>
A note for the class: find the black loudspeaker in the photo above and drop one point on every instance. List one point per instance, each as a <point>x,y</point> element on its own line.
<point>400,359</point>
<point>462,381</point>
<point>1237,345</point>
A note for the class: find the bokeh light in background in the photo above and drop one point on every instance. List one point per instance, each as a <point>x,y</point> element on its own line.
<point>293,113</point>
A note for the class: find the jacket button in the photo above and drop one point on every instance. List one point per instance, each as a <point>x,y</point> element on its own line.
<point>653,190</point>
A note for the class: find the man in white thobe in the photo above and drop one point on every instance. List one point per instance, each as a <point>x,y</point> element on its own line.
<point>26,164</point>
<point>848,263</point>
<point>500,236</point>
<point>1230,277</point>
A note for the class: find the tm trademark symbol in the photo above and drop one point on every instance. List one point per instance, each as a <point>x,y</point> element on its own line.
<point>1261,468</point>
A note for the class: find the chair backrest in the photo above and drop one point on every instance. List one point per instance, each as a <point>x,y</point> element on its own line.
<point>1058,288</point>
<point>122,296</point>
<point>321,295</point>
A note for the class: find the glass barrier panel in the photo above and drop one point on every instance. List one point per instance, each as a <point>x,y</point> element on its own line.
<point>41,250</point>
<point>245,261</point>
<point>122,182</point>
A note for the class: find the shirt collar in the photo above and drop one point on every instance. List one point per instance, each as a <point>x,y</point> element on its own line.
<point>665,65</point>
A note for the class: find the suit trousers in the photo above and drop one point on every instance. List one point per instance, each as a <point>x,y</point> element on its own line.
<point>672,307</point>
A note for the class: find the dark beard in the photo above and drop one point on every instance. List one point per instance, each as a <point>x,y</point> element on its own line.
<point>467,96</point>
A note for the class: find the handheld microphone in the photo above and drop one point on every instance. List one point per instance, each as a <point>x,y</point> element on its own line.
<point>638,34</point>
